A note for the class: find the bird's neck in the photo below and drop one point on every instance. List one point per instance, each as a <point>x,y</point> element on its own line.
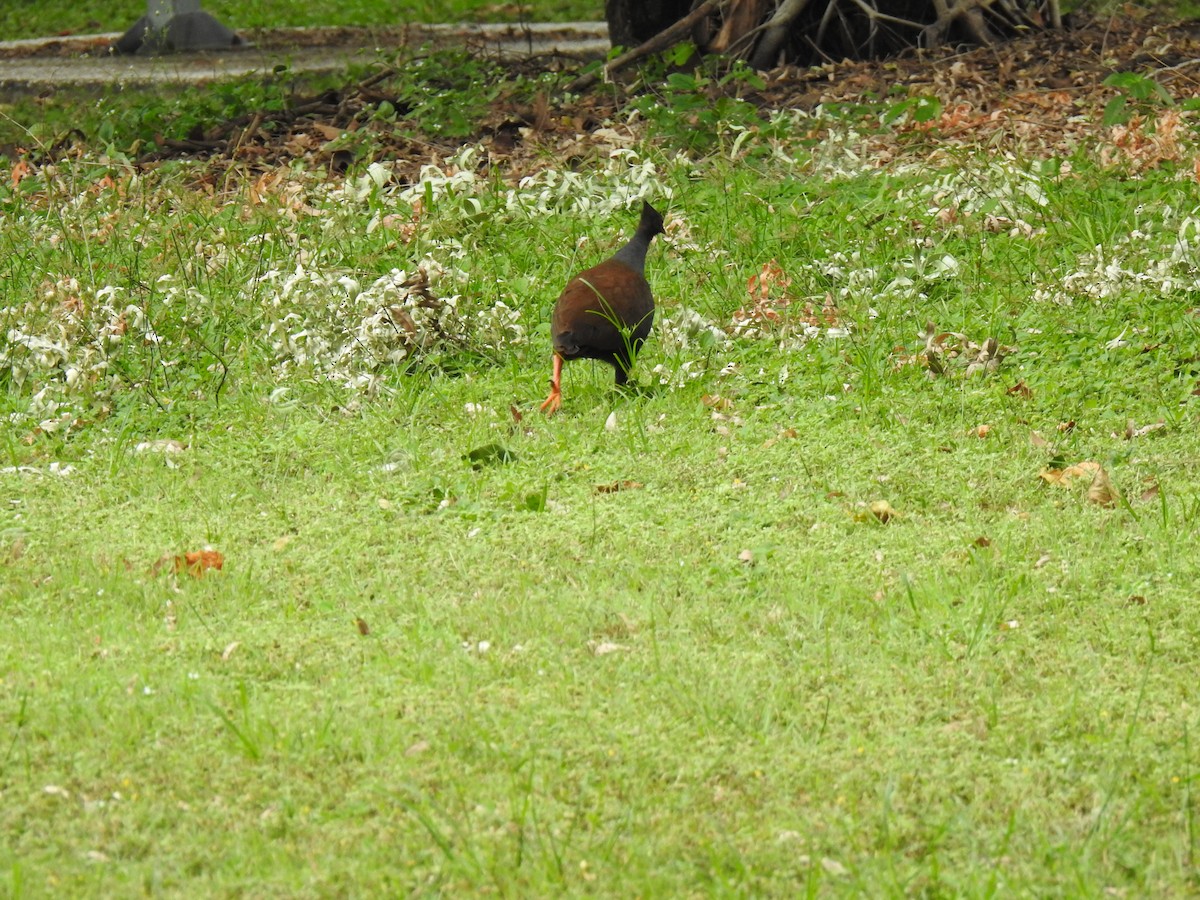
<point>633,254</point>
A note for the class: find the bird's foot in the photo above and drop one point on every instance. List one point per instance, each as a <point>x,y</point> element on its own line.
<point>553,402</point>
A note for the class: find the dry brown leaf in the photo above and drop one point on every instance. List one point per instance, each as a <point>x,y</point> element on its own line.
<point>1100,486</point>
<point>716,402</point>
<point>771,307</point>
<point>20,171</point>
<point>603,648</point>
<point>417,749</point>
<point>1069,474</point>
<point>833,867</point>
<point>198,562</point>
<point>1038,441</point>
<point>747,556</point>
<point>878,510</point>
<point>264,187</point>
<point>771,276</point>
<point>1066,427</point>
<point>786,434</point>
<point>883,511</point>
<point>162,446</point>
<point>1102,491</point>
<point>1020,389</point>
<point>363,628</point>
<point>981,431</point>
<point>982,541</point>
<point>618,486</point>
<point>1042,560</point>
<point>328,132</point>
<point>946,347</point>
<point>300,144</point>
<point>229,650</point>
<point>1132,431</point>
<point>1149,493</point>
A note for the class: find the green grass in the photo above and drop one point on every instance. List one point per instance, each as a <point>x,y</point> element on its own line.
<point>443,94</point>
<point>568,691</point>
<point>102,16</point>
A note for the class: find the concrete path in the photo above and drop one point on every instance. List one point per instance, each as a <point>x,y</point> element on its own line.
<point>38,65</point>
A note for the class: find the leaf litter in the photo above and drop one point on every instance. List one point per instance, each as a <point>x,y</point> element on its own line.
<point>1043,92</point>
<point>1100,489</point>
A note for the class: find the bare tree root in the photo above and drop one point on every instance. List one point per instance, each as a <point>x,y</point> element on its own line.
<point>660,41</point>
<point>767,33</point>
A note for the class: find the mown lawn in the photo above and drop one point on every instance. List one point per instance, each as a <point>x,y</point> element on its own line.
<point>802,614</point>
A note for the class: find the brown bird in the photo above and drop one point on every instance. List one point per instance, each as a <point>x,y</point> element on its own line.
<point>606,311</point>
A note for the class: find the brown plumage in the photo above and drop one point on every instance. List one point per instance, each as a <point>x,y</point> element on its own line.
<point>606,312</point>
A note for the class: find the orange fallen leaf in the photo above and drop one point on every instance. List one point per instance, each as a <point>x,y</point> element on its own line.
<point>770,276</point>
<point>363,628</point>
<point>981,431</point>
<point>20,171</point>
<point>1067,475</point>
<point>195,564</point>
<point>1020,389</point>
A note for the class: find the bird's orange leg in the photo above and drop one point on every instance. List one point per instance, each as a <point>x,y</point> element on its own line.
<point>554,401</point>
